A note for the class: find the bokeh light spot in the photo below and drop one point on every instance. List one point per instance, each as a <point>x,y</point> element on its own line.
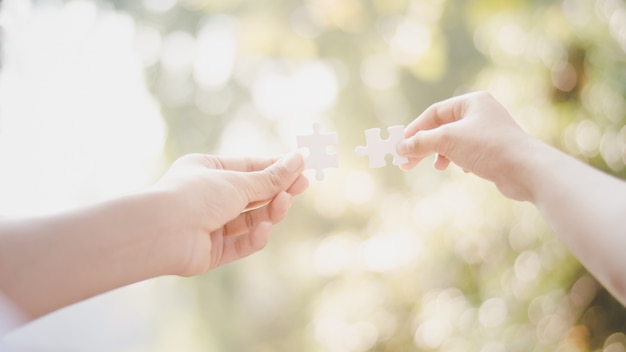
<point>492,313</point>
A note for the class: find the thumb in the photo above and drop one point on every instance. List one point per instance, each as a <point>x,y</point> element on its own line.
<point>267,183</point>
<point>422,144</point>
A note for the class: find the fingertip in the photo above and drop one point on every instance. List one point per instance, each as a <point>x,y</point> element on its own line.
<point>441,162</point>
<point>263,227</point>
<point>284,198</point>
<point>261,235</point>
<point>294,161</point>
<point>299,185</point>
<point>405,167</point>
<point>410,164</point>
<point>275,178</point>
<point>404,147</point>
<point>279,206</point>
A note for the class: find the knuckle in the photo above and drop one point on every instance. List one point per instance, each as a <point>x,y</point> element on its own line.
<point>274,177</point>
<point>414,142</point>
<point>249,220</point>
<point>440,111</point>
<point>445,138</point>
<point>205,160</point>
<point>445,132</point>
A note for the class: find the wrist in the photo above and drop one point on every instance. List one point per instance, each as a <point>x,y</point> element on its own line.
<point>516,172</point>
<point>85,252</point>
<point>164,223</point>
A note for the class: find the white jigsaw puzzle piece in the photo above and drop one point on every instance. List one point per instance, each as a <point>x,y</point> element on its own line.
<point>317,144</point>
<point>378,148</point>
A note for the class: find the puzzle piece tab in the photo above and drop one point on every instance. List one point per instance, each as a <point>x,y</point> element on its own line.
<point>378,148</point>
<point>318,157</point>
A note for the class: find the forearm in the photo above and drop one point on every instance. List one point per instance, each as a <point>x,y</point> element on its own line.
<point>51,262</point>
<point>587,210</point>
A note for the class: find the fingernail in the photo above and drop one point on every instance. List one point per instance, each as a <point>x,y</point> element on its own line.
<point>293,161</point>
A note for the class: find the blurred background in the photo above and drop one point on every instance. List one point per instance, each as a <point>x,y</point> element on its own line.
<point>98,97</point>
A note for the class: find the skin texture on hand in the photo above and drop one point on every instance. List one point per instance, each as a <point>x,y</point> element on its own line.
<point>476,133</point>
<point>191,221</point>
<point>585,207</point>
<point>232,185</point>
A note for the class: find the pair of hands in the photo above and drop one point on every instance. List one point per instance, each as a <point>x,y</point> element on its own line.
<point>473,131</point>
<point>207,211</point>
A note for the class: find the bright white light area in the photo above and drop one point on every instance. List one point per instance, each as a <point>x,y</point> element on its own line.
<point>244,136</point>
<point>379,72</point>
<point>78,125</point>
<point>493,346</point>
<point>214,102</point>
<point>448,304</point>
<point>493,312</point>
<point>329,332</point>
<point>512,39</point>
<point>178,51</point>
<point>588,136</point>
<point>76,120</point>
<point>327,203</point>
<point>215,53</point>
<point>338,335</point>
<point>303,24</point>
<point>410,41</point>
<point>285,92</point>
<point>359,187</point>
<point>159,6</point>
<point>347,318</point>
<point>335,254</point>
<point>384,253</point>
<point>617,24</point>
<point>432,333</point>
<point>527,266</point>
<point>148,44</point>
<point>440,312</point>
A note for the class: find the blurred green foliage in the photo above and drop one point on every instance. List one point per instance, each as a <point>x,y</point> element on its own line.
<point>378,259</point>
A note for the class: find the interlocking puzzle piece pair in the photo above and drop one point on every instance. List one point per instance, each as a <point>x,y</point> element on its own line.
<point>377,148</point>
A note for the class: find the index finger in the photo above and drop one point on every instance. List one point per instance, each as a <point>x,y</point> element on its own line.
<point>438,114</point>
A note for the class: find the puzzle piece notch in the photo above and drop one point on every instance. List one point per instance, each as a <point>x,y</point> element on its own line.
<point>378,148</point>
<point>317,144</point>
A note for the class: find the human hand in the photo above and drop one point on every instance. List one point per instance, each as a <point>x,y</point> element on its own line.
<point>222,209</point>
<point>192,220</point>
<point>475,132</point>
